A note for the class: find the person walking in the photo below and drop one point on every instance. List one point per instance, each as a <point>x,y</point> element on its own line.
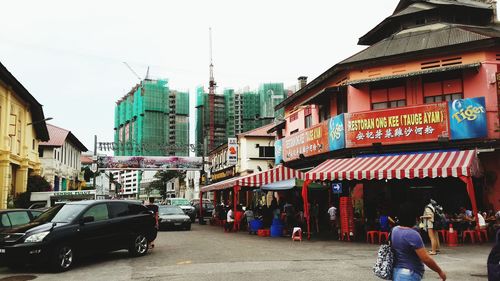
<point>428,219</point>
<point>229,219</point>
<point>332,212</point>
<point>410,254</point>
<point>155,210</point>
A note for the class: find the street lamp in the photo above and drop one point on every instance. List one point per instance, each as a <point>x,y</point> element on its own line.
<point>39,121</point>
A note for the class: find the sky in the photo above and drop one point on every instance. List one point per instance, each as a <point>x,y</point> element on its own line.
<point>70,54</point>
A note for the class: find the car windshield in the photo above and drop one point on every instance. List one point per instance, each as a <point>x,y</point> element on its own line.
<point>180,202</point>
<point>61,213</point>
<point>164,210</point>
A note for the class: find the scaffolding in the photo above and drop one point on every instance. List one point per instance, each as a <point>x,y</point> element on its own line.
<point>271,94</point>
<point>142,120</point>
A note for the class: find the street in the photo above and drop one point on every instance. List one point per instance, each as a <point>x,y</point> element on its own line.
<point>207,253</point>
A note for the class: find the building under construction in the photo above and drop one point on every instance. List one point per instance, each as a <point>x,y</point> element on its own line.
<point>151,120</point>
<point>210,120</point>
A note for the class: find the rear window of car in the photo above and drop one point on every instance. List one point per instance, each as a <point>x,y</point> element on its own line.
<point>179,202</point>
<point>5,220</point>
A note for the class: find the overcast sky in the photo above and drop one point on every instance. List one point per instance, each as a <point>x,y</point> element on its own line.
<point>70,54</point>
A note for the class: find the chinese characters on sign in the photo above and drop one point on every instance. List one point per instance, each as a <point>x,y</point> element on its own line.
<point>232,151</point>
<point>396,126</point>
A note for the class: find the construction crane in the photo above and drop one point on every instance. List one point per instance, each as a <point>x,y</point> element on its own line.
<point>135,73</point>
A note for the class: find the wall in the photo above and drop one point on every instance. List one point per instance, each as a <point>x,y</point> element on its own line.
<point>23,153</point>
<point>490,163</point>
<point>247,150</point>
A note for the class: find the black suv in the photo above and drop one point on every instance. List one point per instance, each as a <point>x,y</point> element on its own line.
<point>66,232</point>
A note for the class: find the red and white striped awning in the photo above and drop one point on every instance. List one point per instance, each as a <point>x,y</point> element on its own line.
<point>421,165</point>
<point>279,173</point>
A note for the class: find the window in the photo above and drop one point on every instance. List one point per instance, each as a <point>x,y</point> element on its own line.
<point>40,152</point>
<point>294,116</point>
<point>324,112</point>
<point>135,209</point>
<point>118,209</point>
<point>308,121</point>
<point>99,212</point>
<point>439,90</point>
<point>19,218</point>
<point>266,151</point>
<point>35,214</point>
<point>383,97</point>
<point>5,220</point>
<point>341,103</point>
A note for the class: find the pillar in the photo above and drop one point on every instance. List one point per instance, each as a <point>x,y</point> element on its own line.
<point>4,183</point>
<point>21,182</point>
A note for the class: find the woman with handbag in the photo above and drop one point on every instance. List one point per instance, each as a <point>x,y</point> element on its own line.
<point>409,251</point>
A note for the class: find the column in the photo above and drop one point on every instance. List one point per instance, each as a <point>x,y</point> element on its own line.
<point>4,182</point>
<point>21,183</point>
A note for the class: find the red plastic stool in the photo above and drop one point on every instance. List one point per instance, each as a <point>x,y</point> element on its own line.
<point>383,234</point>
<point>297,234</point>
<point>442,234</point>
<point>452,239</point>
<point>345,235</point>
<point>370,236</point>
<point>471,234</point>
<point>480,233</point>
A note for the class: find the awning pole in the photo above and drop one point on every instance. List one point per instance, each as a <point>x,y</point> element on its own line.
<point>305,198</point>
<point>472,197</point>
<point>201,208</point>
<point>235,192</point>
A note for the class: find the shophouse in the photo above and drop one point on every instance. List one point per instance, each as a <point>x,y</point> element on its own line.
<point>398,120</point>
<point>61,159</point>
<point>22,125</point>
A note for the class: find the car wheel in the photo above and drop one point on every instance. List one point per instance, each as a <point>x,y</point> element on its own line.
<point>139,246</point>
<point>62,258</point>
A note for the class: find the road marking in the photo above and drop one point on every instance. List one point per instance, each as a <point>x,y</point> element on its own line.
<point>184,262</point>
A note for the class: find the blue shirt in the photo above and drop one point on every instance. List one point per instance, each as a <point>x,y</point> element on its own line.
<point>404,243</point>
<point>384,223</point>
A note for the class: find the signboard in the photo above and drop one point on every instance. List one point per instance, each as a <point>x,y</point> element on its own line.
<point>412,124</point>
<point>309,142</point>
<point>222,174</point>
<point>278,152</point>
<point>324,137</point>
<point>148,163</point>
<point>467,118</point>
<point>336,137</point>
<point>337,188</point>
<point>232,151</point>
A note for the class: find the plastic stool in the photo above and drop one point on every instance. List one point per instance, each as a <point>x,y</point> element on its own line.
<point>442,233</point>
<point>383,234</point>
<point>480,234</point>
<point>297,234</point>
<point>452,239</point>
<point>370,236</point>
<point>343,234</point>
<point>471,234</point>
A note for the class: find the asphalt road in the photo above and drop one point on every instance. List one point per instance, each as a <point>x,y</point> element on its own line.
<point>207,253</point>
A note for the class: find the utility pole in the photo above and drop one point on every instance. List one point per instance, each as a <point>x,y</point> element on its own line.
<point>94,160</point>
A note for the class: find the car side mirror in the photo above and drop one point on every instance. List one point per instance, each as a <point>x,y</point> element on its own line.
<point>87,219</point>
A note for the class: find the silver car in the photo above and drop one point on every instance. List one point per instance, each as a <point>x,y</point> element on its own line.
<point>173,217</point>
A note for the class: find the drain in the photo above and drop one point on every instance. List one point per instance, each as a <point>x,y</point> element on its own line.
<point>18,278</point>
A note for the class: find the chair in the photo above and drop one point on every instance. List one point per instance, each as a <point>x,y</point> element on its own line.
<point>480,233</point>
<point>297,234</point>
<point>471,234</point>
<point>370,236</point>
<point>383,234</point>
<point>443,233</point>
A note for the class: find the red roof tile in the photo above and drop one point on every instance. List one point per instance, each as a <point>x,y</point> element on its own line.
<point>259,132</point>
<point>59,135</point>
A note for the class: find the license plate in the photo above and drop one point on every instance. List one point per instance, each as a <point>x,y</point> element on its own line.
<point>177,223</point>
<point>2,251</point>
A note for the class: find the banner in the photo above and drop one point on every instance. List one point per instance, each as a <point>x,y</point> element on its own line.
<point>232,151</point>
<point>468,118</point>
<point>278,151</point>
<point>324,137</point>
<point>148,163</point>
<point>412,124</point>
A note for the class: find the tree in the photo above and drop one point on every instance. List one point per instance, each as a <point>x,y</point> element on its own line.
<point>162,177</point>
<point>36,183</point>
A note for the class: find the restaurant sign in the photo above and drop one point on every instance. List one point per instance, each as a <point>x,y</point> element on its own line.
<point>397,126</point>
<point>324,137</point>
<point>222,174</point>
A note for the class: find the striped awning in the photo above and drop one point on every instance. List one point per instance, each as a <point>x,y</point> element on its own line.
<point>279,173</point>
<point>420,165</point>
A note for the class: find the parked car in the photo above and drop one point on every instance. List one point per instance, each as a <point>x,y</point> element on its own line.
<point>68,231</point>
<point>14,217</point>
<point>170,216</point>
<point>185,206</point>
<point>208,207</point>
